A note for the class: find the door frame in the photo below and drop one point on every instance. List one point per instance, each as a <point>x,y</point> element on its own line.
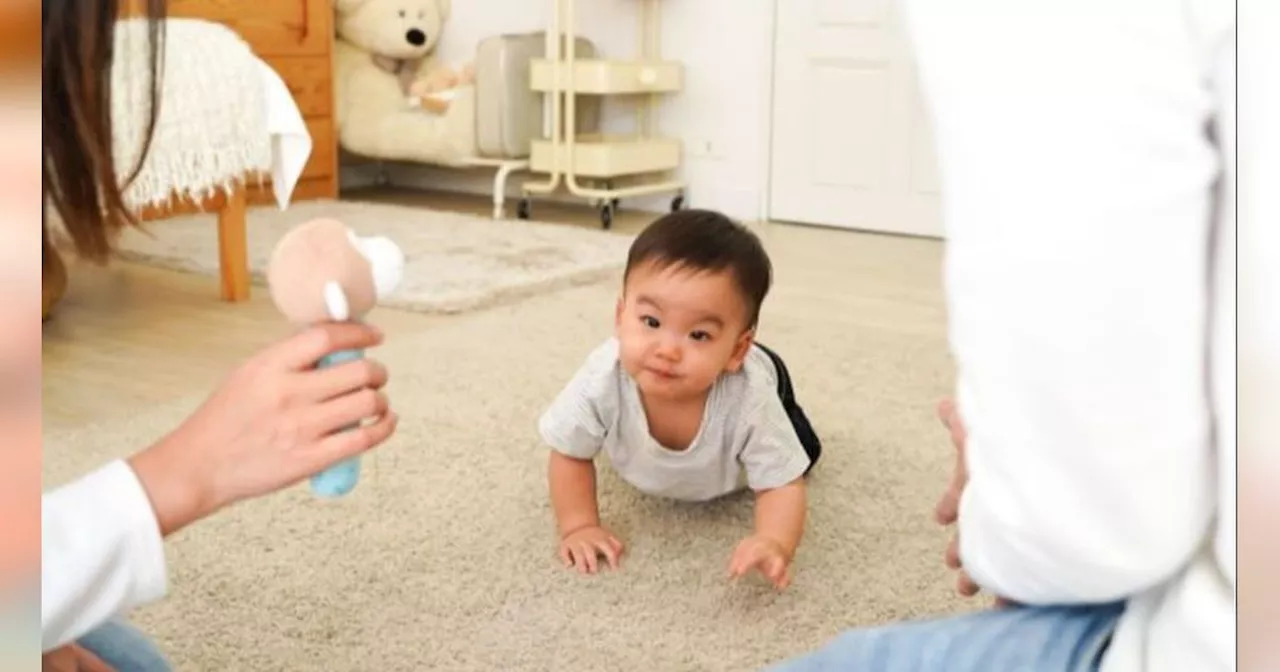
<point>766,199</point>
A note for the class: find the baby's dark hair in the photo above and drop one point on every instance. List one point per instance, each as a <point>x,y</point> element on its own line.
<point>705,240</point>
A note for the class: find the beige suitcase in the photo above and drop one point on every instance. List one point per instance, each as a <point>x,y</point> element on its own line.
<point>509,113</point>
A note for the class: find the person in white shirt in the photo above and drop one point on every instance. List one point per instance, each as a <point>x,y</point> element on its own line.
<point>1088,166</point>
<point>271,423</point>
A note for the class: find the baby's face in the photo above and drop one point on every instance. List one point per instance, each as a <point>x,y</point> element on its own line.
<point>679,329</point>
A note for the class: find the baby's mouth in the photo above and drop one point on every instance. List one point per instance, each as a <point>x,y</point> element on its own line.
<point>663,374</point>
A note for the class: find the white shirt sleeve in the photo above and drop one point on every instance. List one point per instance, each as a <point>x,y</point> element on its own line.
<point>102,553</point>
<point>1079,191</point>
<point>771,453</point>
<point>577,419</point>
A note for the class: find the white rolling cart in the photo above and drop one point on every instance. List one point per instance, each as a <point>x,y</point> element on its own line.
<point>603,167</point>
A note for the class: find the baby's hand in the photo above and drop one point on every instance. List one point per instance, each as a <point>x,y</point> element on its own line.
<point>582,548</point>
<point>764,555</point>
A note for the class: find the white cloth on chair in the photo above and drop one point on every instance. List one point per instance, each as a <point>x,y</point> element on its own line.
<point>224,114</point>
<point>290,141</point>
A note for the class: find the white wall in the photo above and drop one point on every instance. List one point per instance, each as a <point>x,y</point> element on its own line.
<point>722,116</point>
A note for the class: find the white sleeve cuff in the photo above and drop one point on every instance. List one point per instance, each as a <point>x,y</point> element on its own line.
<point>102,553</point>
<point>151,575</point>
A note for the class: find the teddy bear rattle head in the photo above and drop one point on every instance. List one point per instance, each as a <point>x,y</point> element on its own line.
<point>322,271</point>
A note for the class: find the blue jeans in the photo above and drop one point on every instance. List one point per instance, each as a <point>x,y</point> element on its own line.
<point>1030,639</point>
<point>125,648</point>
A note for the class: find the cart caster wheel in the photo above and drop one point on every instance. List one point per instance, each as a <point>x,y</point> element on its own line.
<point>677,203</point>
<point>606,216</point>
<point>523,208</point>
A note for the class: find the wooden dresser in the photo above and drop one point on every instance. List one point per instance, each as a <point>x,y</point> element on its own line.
<point>296,38</point>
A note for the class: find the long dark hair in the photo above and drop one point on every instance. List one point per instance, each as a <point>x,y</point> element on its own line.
<point>80,177</point>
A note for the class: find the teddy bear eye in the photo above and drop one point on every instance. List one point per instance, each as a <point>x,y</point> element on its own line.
<point>422,13</point>
<point>402,13</point>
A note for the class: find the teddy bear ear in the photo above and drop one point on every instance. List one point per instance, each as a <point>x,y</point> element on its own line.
<point>446,8</point>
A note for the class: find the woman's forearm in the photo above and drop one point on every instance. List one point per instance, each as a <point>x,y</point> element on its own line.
<point>176,493</point>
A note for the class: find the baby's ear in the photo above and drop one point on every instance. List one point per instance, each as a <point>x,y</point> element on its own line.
<point>740,351</point>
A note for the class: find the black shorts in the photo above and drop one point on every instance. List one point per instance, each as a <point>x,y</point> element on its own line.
<point>804,429</point>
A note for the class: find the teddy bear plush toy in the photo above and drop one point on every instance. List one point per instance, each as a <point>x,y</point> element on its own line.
<point>395,100</point>
<point>321,271</point>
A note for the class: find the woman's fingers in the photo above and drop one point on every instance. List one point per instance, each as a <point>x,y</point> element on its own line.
<point>340,414</point>
<point>303,350</point>
<point>335,381</point>
<point>950,417</point>
<point>953,553</point>
<point>351,442</point>
<point>947,509</point>
<point>946,408</point>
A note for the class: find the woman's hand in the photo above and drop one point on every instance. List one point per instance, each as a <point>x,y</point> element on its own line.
<point>947,510</point>
<point>273,422</point>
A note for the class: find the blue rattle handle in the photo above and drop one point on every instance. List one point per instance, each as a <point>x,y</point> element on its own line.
<point>341,478</point>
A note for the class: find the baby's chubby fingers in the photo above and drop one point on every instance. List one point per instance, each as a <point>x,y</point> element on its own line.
<point>775,569</point>
<point>611,549</point>
<point>586,558</point>
<point>741,561</point>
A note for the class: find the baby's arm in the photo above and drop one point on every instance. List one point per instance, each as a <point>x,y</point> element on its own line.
<point>573,492</point>
<point>573,496</point>
<point>780,515</point>
<point>574,428</point>
<point>775,462</point>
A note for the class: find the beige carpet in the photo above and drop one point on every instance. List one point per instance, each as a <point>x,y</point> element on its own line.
<point>443,559</point>
<point>453,262</point>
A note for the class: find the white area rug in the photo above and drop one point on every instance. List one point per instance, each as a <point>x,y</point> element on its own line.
<point>453,262</point>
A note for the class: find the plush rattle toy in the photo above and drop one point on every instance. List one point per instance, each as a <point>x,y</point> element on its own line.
<point>322,271</point>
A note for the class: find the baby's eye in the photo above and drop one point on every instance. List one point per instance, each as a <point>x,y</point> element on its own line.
<point>650,321</point>
<point>402,14</point>
<point>422,14</point>
<point>700,336</point>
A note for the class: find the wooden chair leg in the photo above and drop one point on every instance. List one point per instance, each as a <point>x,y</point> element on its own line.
<point>233,247</point>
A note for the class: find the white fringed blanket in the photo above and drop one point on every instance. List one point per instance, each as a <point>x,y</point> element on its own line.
<point>212,128</point>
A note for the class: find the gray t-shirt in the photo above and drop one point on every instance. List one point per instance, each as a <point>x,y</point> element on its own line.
<point>745,440</point>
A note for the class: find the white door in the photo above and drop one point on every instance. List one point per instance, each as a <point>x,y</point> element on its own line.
<point>852,146</point>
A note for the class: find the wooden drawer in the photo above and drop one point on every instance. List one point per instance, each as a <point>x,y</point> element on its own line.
<point>309,80</point>
<point>271,27</point>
